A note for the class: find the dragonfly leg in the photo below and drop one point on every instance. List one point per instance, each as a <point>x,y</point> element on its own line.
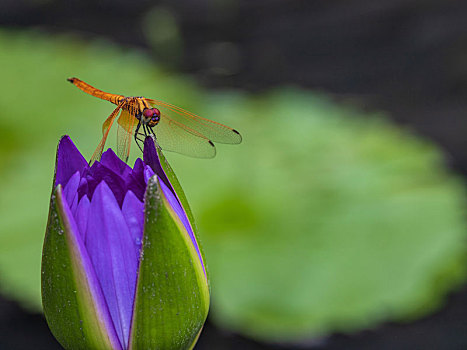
<point>137,128</point>
<point>153,135</point>
<point>136,138</point>
<point>152,132</point>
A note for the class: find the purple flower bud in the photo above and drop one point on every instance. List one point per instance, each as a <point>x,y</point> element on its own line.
<point>109,239</point>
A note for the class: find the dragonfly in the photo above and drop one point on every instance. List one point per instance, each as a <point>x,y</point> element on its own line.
<point>173,128</point>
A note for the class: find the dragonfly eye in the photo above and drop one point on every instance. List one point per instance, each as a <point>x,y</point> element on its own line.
<point>156,112</point>
<point>148,113</point>
<point>155,118</point>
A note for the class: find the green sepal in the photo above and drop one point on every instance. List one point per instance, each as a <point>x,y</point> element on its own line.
<point>181,196</point>
<point>176,185</point>
<point>172,295</point>
<point>68,298</point>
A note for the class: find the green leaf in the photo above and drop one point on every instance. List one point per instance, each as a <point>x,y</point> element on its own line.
<point>172,297</point>
<point>68,297</point>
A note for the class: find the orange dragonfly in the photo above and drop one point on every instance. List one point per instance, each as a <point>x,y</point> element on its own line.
<point>177,130</point>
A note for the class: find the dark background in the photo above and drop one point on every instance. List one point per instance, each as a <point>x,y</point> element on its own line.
<point>408,58</point>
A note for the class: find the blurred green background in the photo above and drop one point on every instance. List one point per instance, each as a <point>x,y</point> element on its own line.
<point>327,218</point>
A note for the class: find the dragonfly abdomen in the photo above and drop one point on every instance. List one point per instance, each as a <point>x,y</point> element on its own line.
<point>115,99</point>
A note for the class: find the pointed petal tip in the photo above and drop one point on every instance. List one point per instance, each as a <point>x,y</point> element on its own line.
<point>149,151</point>
<point>108,153</point>
<point>68,160</point>
<point>151,157</point>
<point>109,156</point>
<point>151,184</point>
<point>113,162</point>
<point>65,138</point>
<point>149,141</point>
<point>58,190</point>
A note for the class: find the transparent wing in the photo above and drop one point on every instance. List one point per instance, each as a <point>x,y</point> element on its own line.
<point>211,130</point>
<point>105,132</point>
<point>174,136</point>
<point>126,125</point>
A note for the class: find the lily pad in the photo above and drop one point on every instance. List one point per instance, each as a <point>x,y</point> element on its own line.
<point>324,219</point>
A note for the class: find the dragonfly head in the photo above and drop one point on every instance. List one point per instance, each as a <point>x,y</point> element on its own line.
<point>151,116</point>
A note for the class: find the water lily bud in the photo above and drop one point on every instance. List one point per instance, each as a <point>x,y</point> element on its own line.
<point>121,266</point>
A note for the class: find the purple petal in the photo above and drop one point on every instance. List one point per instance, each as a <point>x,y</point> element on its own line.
<point>107,241</point>
<point>133,212</point>
<point>135,181</point>
<point>91,184</point>
<point>138,170</point>
<point>136,187</point>
<point>80,254</point>
<point>100,173</point>
<point>70,190</point>
<point>113,162</point>
<point>148,173</point>
<point>151,158</point>
<point>74,205</point>
<point>81,216</point>
<point>83,188</point>
<point>69,161</point>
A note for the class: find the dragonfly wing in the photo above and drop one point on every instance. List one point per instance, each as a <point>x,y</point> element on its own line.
<point>212,130</point>
<point>174,136</point>
<point>105,132</point>
<point>126,125</point>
